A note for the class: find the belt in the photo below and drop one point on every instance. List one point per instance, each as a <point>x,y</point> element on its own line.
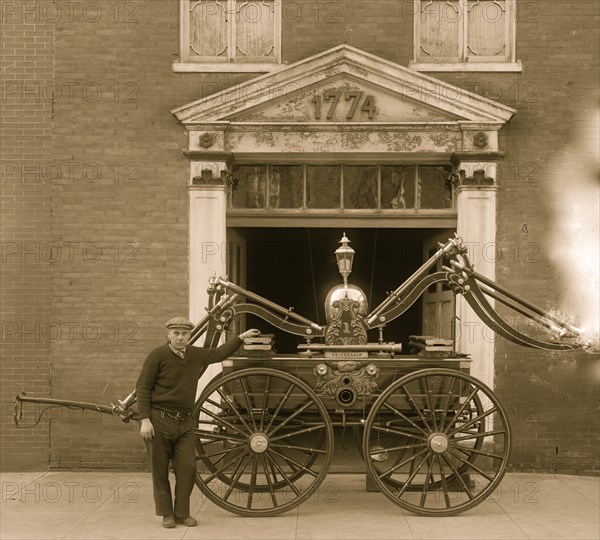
<point>175,415</point>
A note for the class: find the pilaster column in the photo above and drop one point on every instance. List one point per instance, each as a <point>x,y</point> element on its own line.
<point>208,207</point>
<point>476,209</point>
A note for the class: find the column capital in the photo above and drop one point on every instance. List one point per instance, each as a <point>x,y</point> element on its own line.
<point>475,173</point>
<point>204,173</point>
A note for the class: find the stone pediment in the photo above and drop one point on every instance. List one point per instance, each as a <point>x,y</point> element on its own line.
<point>344,85</point>
<point>343,98</point>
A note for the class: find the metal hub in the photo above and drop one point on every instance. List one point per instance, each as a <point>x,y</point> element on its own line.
<point>438,442</point>
<point>258,443</point>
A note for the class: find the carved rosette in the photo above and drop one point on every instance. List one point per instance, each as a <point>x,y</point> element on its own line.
<point>480,139</point>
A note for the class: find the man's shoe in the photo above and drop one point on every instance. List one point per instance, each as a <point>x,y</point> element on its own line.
<point>168,522</point>
<point>186,521</point>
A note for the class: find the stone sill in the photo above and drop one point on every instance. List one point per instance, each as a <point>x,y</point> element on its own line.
<point>224,67</point>
<point>509,67</point>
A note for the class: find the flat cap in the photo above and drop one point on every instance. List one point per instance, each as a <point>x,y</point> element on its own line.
<point>179,322</point>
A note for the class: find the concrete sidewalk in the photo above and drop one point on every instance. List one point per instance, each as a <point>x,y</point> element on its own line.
<point>119,505</point>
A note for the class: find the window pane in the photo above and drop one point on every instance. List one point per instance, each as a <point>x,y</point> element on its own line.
<point>323,186</point>
<point>439,26</point>
<point>360,186</point>
<point>435,191</point>
<point>398,187</point>
<point>286,186</point>
<point>251,183</point>
<point>486,35</point>
<point>255,23</point>
<point>208,28</point>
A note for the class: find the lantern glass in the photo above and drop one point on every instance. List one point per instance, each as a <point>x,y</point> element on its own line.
<point>345,257</point>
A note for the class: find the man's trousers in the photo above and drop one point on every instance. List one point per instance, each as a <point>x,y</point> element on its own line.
<point>173,441</point>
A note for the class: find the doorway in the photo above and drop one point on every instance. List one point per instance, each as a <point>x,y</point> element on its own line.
<point>296,267</point>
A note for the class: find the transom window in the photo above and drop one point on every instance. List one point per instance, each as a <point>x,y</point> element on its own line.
<point>286,188</point>
<point>467,32</point>
<point>242,34</point>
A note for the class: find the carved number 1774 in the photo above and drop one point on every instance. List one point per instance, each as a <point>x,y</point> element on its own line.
<point>355,96</point>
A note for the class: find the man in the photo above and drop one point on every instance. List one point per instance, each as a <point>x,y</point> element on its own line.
<point>166,391</point>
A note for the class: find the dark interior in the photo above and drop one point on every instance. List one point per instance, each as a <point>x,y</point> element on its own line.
<point>296,267</point>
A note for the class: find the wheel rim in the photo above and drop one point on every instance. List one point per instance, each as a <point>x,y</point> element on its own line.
<point>437,442</point>
<point>264,442</point>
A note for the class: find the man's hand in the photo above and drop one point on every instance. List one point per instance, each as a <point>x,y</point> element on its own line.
<point>147,429</point>
<point>253,332</point>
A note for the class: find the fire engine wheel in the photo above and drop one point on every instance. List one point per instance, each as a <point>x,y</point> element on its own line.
<point>264,442</point>
<point>437,441</point>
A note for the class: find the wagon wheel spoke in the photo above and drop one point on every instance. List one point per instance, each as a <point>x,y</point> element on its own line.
<point>400,432</point>
<point>415,407</point>
<point>457,475</point>
<point>221,452</point>
<point>222,421</point>
<point>231,406</point>
<point>224,465</point>
<point>290,418</point>
<point>286,396</point>
<point>443,481</point>
<point>304,449</point>
<point>428,477</point>
<point>479,435</point>
<point>475,451</point>
<point>410,460</point>
<point>249,403</point>
<point>411,477</point>
<point>294,463</point>
<point>252,481</point>
<point>472,466</point>
<point>299,432</point>
<point>429,395</point>
<point>269,483</point>
<point>265,400</point>
<point>433,433</point>
<point>448,401</point>
<point>404,417</point>
<point>284,476</point>
<point>241,466</point>
<point>204,434</point>
<point>272,433</point>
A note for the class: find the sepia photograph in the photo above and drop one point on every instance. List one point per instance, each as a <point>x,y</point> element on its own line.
<point>307,269</point>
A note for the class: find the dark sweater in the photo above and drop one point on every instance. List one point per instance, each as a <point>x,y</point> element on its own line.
<point>170,382</point>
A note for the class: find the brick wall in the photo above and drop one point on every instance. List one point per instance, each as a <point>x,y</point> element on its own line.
<point>26,57</point>
<point>111,202</point>
<point>548,207</point>
<point>547,220</point>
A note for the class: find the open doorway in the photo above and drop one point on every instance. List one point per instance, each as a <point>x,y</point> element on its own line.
<point>296,267</point>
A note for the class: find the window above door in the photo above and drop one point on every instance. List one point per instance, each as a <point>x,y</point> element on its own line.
<point>464,35</point>
<point>229,36</point>
<point>277,188</point>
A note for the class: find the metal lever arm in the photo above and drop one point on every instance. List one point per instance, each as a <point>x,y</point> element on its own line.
<point>271,306</point>
<point>451,248</point>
